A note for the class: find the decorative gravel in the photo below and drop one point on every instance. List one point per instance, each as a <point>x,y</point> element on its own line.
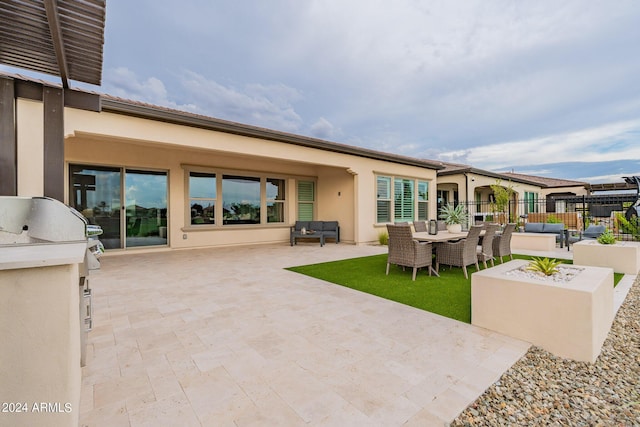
<point>564,274</point>
<point>542,389</point>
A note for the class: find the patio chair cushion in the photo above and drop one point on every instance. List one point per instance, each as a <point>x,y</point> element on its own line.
<point>533,227</point>
<point>593,231</point>
<point>300,225</point>
<point>329,226</point>
<point>315,225</point>
<point>557,228</point>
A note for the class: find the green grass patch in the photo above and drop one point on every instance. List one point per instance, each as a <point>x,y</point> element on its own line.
<point>448,295</point>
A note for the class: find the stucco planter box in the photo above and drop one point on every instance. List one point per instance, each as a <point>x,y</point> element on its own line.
<point>623,257</point>
<point>569,319</point>
<point>533,241</point>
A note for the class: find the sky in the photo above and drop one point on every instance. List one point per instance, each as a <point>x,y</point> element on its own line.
<point>541,87</point>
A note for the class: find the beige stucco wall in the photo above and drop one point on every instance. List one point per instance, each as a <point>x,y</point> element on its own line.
<point>30,150</point>
<point>475,182</point>
<point>345,183</point>
<point>577,190</point>
<point>40,352</point>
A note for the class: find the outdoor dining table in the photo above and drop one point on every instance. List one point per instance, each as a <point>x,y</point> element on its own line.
<point>442,236</point>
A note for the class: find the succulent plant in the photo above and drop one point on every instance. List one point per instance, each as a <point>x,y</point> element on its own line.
<point>545,266</point>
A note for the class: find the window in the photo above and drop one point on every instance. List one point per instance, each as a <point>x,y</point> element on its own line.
<point>240,200</point>
<point>423,200</point>
<point>275,192</point>
<point>383,199</point>
<point>530,202</point>
<point>410,199</point>
<point>403,200</point>
<point>202,197</point>
<point>306,200</point>
<point>236,199</point>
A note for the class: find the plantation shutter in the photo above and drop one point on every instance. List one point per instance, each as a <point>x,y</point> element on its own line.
<point>404,200</point>
<point>423,200</point>
<point>383,203</point>
<point>306,199</point>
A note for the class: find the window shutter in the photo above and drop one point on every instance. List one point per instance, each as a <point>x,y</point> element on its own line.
<point>305,191</point>
<point>306,199</point>
<point>403,200</point>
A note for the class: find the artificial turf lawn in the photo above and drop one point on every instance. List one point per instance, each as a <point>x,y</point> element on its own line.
<point>448,295</point>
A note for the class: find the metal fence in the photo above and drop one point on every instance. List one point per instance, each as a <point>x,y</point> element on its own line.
<point>575,212</point>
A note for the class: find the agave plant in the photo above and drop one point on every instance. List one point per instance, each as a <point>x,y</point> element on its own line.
<point>454,215</point>
<point>545,266</point>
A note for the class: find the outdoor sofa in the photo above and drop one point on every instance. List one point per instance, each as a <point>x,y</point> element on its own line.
<point>320,230</point>
<point>547,227</point>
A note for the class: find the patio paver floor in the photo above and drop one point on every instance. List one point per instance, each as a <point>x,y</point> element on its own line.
<point>227,337</point>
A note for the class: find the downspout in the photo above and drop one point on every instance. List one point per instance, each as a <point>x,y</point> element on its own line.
<point>466,189</point>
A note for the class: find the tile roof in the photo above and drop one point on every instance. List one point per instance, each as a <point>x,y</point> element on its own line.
<point>546,182</point>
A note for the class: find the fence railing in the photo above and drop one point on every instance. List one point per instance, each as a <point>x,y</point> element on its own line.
<point>576,213</point>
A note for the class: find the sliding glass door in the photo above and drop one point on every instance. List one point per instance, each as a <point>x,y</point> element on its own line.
<point>146,208</point>
<point>129,205</point>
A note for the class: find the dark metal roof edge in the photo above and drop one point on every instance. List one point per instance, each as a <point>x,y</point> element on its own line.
<point>209,123</point>
<point>506,177</point>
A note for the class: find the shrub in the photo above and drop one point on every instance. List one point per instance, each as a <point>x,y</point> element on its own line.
<point>629,227</point>
<point>607,238</point>
<point>545,266</point>
<point>383,238</point>
<point>552,219</point>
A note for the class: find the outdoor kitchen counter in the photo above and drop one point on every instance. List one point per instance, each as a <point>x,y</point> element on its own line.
<point>41,255</point>
<point>40,333</point>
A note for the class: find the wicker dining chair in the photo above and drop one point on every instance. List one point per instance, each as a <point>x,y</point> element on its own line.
<point>407,252</point>
<point>462,253</point>
<point>502,242</point>
<point>485,250</point>
<point>420,226</point>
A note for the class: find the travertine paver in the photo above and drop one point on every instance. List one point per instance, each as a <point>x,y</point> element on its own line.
<point>227,337</point>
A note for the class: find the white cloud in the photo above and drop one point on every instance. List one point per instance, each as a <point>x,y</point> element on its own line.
<point>443,79</point>
<point>323,129</point>
<point>268,106</point>
<point>616,141</point>
<point>262,105</point>
<point>124,83</point>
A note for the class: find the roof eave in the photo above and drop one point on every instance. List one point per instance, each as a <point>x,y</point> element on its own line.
<point>186,119</point>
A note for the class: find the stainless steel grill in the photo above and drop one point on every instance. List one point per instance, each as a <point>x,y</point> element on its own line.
<point>36,227</point>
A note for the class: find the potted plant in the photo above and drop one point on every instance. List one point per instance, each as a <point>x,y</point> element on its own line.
<point>454,216</point>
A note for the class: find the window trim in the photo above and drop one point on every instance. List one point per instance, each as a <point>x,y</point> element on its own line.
<point>391,180</point>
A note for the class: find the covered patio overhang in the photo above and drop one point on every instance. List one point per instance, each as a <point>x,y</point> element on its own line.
<point>62,38</point>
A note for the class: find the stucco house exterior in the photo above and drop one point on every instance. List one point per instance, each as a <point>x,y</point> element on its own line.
<point>464,183</point>
<point>154,177</point>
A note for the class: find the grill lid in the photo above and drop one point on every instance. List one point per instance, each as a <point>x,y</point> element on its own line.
<point>39,220</point>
